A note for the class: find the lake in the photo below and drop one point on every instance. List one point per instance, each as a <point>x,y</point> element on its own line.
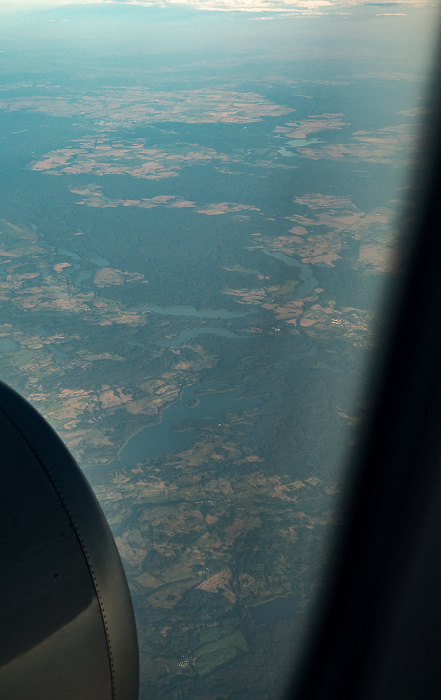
<point>192,406</point>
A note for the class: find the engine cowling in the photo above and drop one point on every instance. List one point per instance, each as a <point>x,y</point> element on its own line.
<point>67,625</point>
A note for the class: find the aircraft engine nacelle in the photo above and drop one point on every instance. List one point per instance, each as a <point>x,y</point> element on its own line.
<point>67,630</point>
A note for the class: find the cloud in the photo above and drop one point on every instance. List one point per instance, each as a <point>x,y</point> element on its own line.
<point>249,6</point>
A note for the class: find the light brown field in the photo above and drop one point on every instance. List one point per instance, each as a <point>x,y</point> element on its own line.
<point>311,125</point>
<point>122,106</point>
<point>104,156</point>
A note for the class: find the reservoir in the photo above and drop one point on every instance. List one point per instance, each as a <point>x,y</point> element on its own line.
<point>195,332</point>
<point>189,311</point>
<point>166,436</point>
<point>309,282</point>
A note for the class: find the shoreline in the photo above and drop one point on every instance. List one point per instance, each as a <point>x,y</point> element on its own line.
<point>205,390</point>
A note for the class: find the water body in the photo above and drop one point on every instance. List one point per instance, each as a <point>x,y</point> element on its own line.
<point>7,345</point>
<point>189,311</point>
<point>296,143</point>
<point>74,268</point>
<point>309,282</point>
<point>300,143</point>
<point>59,356</point>
<point>190,334</point>
<point>286,153</point>
<point>69,253</point>
<point>101,262</point>
<point>161,438</point>
<point>46,331</point>
<point>277,610</point>
<point>82,277</point>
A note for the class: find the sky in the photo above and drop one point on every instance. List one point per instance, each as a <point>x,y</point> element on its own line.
<point>242,5</point>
